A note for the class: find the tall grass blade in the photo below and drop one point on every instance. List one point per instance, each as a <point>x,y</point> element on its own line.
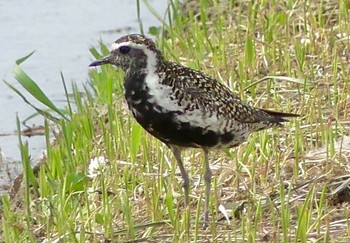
<point>288,79</point>
<point>23,59</point>
<point>66,94</point>
<point>41,112</point>
<point>32,87</point>
<point>138,11</point>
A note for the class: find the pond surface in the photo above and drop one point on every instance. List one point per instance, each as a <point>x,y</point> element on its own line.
<point>61,33</point>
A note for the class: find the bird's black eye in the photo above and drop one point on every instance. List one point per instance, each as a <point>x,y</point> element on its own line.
<point>124,49</point>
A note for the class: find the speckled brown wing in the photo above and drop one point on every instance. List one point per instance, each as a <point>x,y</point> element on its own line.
<point>200,91</point>
<point>206,93</point>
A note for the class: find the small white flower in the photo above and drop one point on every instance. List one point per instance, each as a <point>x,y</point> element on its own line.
<point>305,41</point>
<point>96,166</point>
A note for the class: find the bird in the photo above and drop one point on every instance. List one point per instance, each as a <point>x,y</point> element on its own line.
<point>183,107</point>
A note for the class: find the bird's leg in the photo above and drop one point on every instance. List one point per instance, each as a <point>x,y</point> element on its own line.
<point>207,181</point>
<point>177,153</point>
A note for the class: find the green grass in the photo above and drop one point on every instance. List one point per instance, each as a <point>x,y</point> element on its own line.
<point>283,185</point>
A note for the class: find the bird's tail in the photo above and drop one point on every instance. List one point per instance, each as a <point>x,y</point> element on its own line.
<point>266,119</point>
<point>277,117</point>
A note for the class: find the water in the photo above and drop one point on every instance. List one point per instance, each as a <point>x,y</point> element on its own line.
<point>61,33</point>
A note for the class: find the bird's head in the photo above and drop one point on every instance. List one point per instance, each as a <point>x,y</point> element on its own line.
<point>132,52</point>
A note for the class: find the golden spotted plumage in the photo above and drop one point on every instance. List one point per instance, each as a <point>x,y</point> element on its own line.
<point>183,107</point>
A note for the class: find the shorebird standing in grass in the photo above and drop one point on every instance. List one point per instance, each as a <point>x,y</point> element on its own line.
<point>182,107</point>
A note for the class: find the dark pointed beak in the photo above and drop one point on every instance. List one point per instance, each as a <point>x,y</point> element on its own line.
<point>105,60</point>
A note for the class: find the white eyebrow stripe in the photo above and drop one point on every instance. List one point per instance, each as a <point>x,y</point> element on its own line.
<point>116,46</point>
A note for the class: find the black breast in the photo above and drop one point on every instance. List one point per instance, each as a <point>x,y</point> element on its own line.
<point>162,123</point>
